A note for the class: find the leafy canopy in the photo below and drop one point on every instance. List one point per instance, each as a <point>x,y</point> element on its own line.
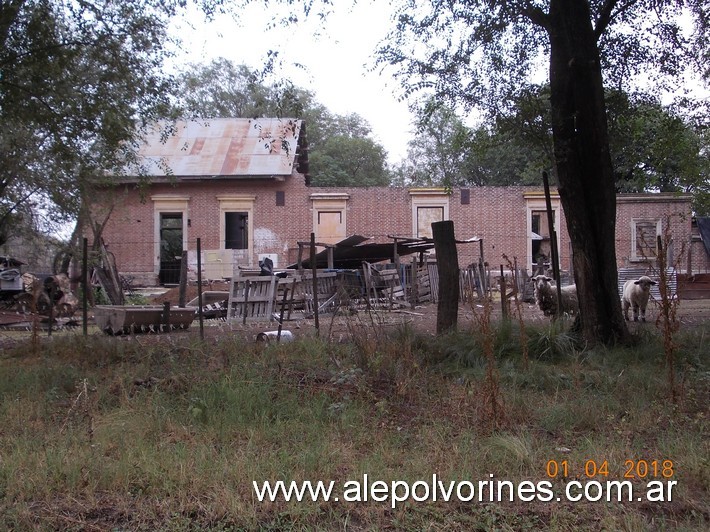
<point>653,147</point>
<point>341,150</point>
<point>78,81</point>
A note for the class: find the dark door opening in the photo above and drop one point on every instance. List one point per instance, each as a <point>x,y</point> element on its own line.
<point>236,230</point>
<point>170,247</point>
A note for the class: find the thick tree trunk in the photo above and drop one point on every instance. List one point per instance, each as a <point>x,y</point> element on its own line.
<point>584,170</point>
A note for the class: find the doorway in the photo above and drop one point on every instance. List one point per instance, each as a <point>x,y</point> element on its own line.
<point>170,247</point>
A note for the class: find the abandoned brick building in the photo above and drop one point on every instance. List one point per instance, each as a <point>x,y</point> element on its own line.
<point>241,187</point>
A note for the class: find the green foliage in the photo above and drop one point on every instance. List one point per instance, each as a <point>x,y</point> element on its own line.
<point>343,161</point>
<point>654,148</point>
<point>77,83</point>
<point>341,150</point>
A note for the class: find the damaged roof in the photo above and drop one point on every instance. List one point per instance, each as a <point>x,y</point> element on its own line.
<point>223,148</point>
<point>351,252</point>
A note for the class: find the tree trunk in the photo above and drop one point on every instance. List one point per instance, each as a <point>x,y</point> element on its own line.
<point>447,262</point>
<point>584,170</point>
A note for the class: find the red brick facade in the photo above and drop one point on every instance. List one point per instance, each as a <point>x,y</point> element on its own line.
<point>282,213</point>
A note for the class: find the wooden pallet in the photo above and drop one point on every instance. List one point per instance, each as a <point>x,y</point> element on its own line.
<point>326,290</point>
<point>252,298</point>
<point>382,287</point>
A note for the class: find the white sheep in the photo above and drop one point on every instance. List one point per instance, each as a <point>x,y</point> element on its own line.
<point>546,296</point>
<point>635,294</point>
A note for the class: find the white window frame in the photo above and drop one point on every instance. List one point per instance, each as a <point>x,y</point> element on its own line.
<point>168,204</point>
<point>428,198</point>
<point>237,203</point>
<point>330,202</point>
<point>634,256</point>
<point>534,202</point>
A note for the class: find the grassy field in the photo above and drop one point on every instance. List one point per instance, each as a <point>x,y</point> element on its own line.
<point>165,432</point>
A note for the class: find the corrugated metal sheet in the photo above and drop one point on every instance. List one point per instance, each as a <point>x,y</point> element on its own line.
<point>223,147</point>
<point>352,251</point>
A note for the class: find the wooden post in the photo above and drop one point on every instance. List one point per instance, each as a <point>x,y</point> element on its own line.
<point>182,293</point>
<point>299,264</point>
<point>199,289</point>
<point>331,261</point>
<point>314,268</point>
<point>281,315</point>
<point>290,299</point>
<point>246,301</point>
<point>51,307</point>
<point>85,286</point>
<point>368,284</point>
<point>482,268</point>
<point>448,266</point>
<point>503,294</point>
<point>395,256</point>
<point>414,288</point>
<point>165,317</point>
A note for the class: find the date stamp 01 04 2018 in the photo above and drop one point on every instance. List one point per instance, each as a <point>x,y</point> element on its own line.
<point>631,470</point>
<point>657,475</point>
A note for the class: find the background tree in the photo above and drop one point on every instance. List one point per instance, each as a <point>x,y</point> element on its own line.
<point>513,150</point>
<point>341,149</point>
<point>78,81</point>
<point>440,149</point>
<point>655,148</point>
<point>489,52</point>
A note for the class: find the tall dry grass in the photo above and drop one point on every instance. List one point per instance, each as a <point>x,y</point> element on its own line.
<point>167,432</point>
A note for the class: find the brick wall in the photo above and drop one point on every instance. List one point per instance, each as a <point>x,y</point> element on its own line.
<point>498,215</point>
<point>674,213</point>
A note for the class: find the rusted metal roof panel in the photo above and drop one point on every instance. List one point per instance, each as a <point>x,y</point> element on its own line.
<point>223,147</point>
<point>351,252</point>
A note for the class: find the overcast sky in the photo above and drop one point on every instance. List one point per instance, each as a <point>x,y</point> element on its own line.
<point>335,57</point>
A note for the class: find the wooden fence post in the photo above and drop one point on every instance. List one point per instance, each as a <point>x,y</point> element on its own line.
<point>199,289</point>
<point>503,294</point>
<point>314,268</point>
<point>182,292</point>
<point>448,267</point>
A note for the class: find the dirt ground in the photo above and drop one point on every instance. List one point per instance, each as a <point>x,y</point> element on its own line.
<point>691,313</point>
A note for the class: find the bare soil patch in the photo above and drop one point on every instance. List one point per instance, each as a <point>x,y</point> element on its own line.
<point>422,318</point>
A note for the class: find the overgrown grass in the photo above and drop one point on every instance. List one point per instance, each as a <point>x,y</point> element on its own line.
<point>167,432</point>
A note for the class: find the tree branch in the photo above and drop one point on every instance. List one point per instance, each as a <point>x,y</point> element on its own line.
<point>536,15</point>
<point>607,15</point>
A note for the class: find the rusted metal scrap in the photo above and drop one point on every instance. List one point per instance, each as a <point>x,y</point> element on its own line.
<point>51,294</point>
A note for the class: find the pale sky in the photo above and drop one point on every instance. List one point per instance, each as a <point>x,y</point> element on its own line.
<point>336,61</point>
<point>335,54</point>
